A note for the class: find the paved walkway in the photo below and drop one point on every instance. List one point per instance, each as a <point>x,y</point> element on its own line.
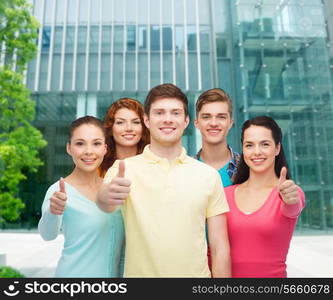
<point>309,256</point>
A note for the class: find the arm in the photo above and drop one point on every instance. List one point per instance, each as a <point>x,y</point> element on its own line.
<point>295,209</point>
<point>219,246</point>
<point>49,225</point>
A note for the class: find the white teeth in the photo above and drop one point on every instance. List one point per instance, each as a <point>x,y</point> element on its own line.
<point>167,130</point>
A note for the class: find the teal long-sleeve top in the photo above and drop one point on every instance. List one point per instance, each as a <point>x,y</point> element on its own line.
<point>94,241</point>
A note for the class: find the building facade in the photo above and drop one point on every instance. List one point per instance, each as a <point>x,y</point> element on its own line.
<point>274,57</point>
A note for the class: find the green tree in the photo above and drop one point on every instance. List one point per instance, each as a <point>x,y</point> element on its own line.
<point>9,272</point>
<point>19,140</point>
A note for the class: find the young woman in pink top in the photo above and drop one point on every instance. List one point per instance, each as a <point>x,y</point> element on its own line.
<point>264,203</point>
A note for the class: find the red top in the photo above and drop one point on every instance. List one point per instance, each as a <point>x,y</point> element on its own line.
<point>259,242</point>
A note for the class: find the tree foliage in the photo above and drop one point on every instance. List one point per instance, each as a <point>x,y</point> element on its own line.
<point>19,140</point>
<point>9,272</point>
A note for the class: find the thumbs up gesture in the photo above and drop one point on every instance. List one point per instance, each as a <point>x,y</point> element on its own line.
<point>59,199</point>
<point>287,188</point>
<point>119,187</point>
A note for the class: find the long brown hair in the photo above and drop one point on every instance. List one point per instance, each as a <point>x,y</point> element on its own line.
<point>109,119</point>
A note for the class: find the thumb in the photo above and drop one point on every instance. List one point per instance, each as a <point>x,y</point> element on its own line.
<point>121,170</point>
<point>62,185</point>
<point>283,176</point>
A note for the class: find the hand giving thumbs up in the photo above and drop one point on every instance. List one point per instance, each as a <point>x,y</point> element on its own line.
<point>287,188</point>
<point>119,187</point>
<point>59,199</point>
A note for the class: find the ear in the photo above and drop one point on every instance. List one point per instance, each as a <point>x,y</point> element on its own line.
<point>231,123</point>
<point>68,149</point>
<point>146,120</point>
<point>196,123</point>
<point>105,148</point>
<point>278,148</point>
<point>187,121</point>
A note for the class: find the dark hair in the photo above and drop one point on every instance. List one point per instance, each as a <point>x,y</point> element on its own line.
<point>213,95</point>
<point>242,173</point>
<point>166,90</point>
<point>109,119</point>
<point>85,120</point>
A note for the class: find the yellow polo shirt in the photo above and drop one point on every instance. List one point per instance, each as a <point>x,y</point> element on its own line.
<point>165,214</point>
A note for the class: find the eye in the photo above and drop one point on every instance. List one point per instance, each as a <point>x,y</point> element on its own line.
<point>78,143</point>
<point>119,122</point>
<point>98,143</point>
<point>248,146</point>
<point>137,122</point>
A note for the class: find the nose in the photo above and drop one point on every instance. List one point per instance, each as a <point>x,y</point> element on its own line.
<point>88,149</point>
<point>213,121</point>
<point>257,150</point>
<point>167,118</point>
<point>128,126</point>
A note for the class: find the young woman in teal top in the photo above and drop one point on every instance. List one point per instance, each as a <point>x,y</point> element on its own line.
<point>94,240</point>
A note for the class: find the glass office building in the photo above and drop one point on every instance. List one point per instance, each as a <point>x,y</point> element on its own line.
<point>273,57</point>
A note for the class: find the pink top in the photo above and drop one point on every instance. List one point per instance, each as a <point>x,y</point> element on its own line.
<point>259,242</point>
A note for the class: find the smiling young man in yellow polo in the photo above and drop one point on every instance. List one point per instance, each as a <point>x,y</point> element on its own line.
<point>166,198</point>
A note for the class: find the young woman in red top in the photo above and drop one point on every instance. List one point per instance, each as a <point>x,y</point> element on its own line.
<point>264,203</point>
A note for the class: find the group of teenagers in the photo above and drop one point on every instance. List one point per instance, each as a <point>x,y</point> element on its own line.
<point>136,205</point>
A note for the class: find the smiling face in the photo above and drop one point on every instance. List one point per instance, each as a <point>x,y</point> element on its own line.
<point>87,147</point>
<point>166,121</point>
<point>214,122</point>
<point>259,149</point>
<point>127,128</point>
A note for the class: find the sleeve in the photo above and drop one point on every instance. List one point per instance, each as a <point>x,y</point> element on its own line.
<point>111,172</point>
<point>217,203</point>
<point>49,225</point>
<point>293,210</point>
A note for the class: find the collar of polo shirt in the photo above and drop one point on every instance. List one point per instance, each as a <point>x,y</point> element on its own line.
<point>153,158</point>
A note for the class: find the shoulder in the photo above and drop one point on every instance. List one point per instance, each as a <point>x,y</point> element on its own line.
<point>197,170</point>
<point>230,190</point>
<point>197,163</point>
<point>134,162</point>
<point>134,159</point>
<point>128,161</point>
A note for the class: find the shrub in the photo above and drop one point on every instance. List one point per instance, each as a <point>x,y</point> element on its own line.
<point>8,272</point>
